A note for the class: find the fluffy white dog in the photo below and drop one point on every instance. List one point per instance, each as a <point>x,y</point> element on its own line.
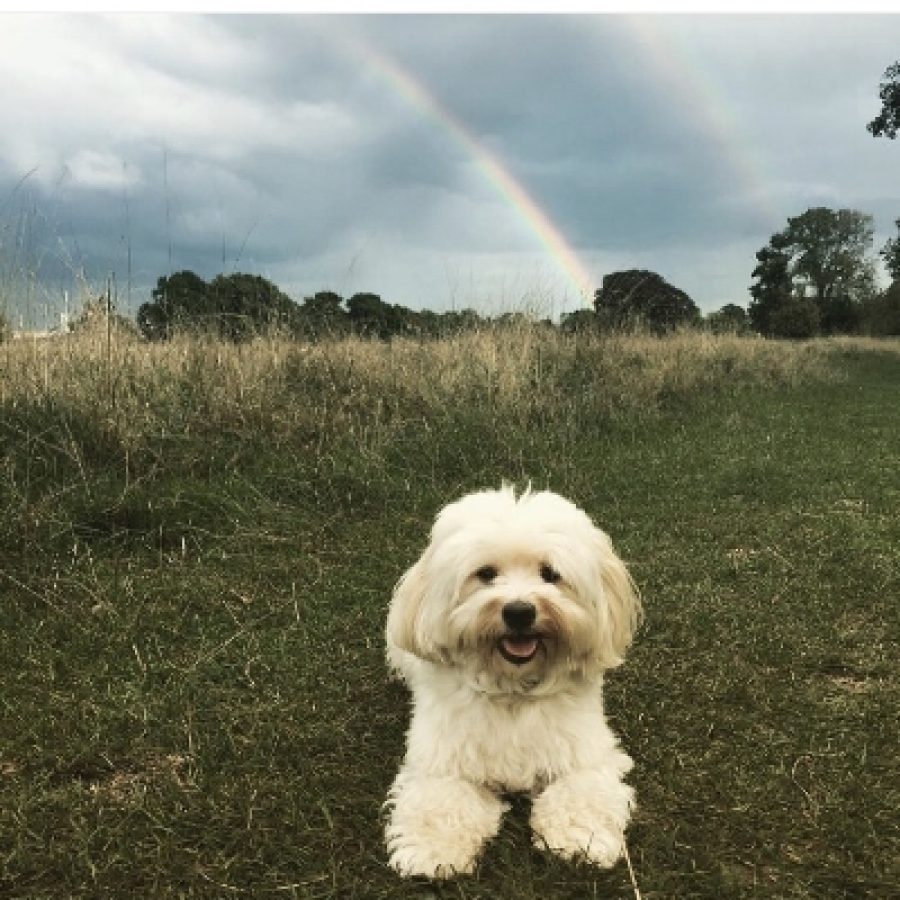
<point>502,630</point>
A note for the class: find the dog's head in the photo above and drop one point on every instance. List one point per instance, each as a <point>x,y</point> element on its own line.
<point>517,588</point>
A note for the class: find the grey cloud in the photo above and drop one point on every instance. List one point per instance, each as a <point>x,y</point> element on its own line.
<point>678,144</point>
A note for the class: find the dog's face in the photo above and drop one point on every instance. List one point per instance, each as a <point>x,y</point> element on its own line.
<point>516,588</point>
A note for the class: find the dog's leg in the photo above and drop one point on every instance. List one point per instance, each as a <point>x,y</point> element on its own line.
<point>583,816</point>
<point>438,825</point>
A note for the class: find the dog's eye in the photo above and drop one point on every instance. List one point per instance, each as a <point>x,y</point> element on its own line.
<point>486,574</point>
<point>549,574</point>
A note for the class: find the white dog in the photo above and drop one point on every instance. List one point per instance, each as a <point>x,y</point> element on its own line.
<point>502,630</point>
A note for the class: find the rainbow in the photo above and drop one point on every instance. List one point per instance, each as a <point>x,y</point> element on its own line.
<point>661,47</point>
<point>498,176</point>
<point>682,74</point>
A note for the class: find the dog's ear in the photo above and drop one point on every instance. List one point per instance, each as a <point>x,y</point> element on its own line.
<point>620,606</point>
<point>405,627</point>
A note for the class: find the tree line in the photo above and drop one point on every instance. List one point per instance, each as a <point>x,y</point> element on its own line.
<point>815,276</point>
<point>238,306</point>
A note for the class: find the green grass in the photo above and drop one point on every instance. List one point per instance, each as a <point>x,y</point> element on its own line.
<point>197,547</point>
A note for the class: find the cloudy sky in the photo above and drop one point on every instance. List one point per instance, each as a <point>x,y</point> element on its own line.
<point>486,161</point>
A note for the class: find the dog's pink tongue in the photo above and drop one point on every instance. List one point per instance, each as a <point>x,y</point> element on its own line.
<point>520,646</point>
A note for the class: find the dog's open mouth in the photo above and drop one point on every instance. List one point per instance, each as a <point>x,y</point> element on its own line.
<point>519,648</point>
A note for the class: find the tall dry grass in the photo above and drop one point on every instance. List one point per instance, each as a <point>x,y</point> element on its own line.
<point>99,419</point>
<point>368,389</point>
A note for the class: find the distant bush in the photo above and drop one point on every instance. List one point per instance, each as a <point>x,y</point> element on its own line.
<point>5,329</point>
<point>581,320</point>
<point>881,315</point>
<point>797,319</point>
<point>730,319</point>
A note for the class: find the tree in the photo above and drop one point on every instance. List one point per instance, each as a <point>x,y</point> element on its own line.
<point>881,315</point>
<point>233,306</point>
<point>370,315</point>
<point>888,120</point>
<point>830,248</point>
<point>513,320</point>
<point>890,253</point>
<point>798,318</point>
<point>639,297</point>
<point>579,321</point>
<point>773,285</point>
<point>823,255</point>
<point>404,321</point>
<point>245,305</point>
<point>323,315</point>
<point>459,321</point>
<point>178,301</point>
<point>730,319</point>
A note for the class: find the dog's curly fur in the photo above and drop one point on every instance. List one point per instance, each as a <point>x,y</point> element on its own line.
<point>502,630</point>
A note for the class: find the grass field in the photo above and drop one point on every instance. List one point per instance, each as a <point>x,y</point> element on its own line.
<point>198,543</point>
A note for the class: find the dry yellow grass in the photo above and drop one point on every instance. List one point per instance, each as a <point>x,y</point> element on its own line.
<point>369,391</point>
<point>504,362</point>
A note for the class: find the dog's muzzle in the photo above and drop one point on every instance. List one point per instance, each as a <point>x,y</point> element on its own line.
<point>519,645</point>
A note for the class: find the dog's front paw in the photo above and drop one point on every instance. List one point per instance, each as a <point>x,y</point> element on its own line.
<point>583,817</point>
<point>410,858</point>
<point>597,842</point>
<point>438,826</point>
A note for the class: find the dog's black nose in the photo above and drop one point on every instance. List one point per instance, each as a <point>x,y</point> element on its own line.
<point>519,615</point>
